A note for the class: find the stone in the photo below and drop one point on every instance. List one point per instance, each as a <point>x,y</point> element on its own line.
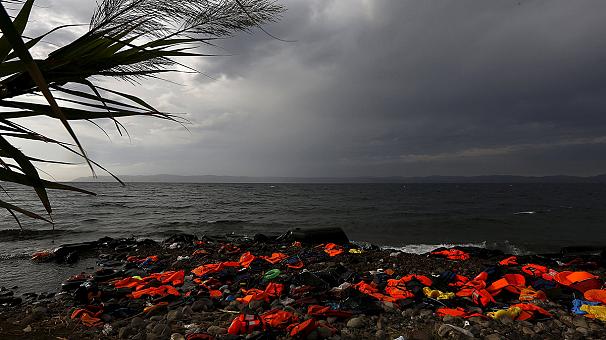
<point>313,335</point>
<point>425,313</point>
<point>124,332</point>
<point>584,331</point>
<point>527,330</point>
<point>137,323</point>
<point>256,304</point>
<point>506,320</point>
<point>449,319</point>
<point>177,336</point>
<point>493,336</point>
<point>380,334</point>
<point>157,318</point>
<point>443,330</point>
<point>187,311</point>
<point>216,330</point>
<point>174,315</point>
<point>27,329</point>
<point>567,320</point>
<point>202,305</point>
<point>580,321</point>
<point>357,322</point>
<point>324,332</point>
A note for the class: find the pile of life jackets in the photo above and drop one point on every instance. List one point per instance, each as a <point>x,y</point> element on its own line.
<point>142,285</point>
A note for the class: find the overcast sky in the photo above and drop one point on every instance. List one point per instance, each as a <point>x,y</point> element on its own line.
<point>374,88</point>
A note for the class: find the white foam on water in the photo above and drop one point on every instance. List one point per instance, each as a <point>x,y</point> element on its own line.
<point>425,248</point>
<point>525,213</point>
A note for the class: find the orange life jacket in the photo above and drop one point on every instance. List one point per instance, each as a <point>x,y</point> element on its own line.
<point>277,318</point>
<point>595,295</point>
<point>529,311</point>
<point>246,259</point>
<point>303,329</point>
<point>333,249</point>
<point>245,324</point>
<point>325,311</point>
<point>510,261</point>
<point>456,312</point>
<point>156,291</point>
<point>213,268</point>
<point>513,283</point>
<point>453,254</point>
<point>581,281</point>
<point>275,258</point>
<point>529,294</point>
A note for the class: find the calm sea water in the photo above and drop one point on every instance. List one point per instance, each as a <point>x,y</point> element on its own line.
<point>513,217</point>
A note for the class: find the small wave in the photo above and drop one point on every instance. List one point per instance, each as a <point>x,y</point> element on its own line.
<point>505,246</point>
<point>425,248</point>
<point>7,235</point>
<point>525,213</point>
<point>226,222</point>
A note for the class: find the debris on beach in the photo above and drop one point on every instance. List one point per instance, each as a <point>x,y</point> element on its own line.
<point>314,285</point>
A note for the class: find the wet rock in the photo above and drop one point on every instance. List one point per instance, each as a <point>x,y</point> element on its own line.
<point>493,336</point>
<point>216,330</point>
<point>324,332</point>
<point>380,334</point>
<point>255,305</point>
<point>177,336</point>
<point>174,315</point>
<point>27,329</point>
<point>137,323</point>
<point>580,321</point>
<point>506,320</point>
<point>124,332</point>
<point>357,322</point>
<point>187,311</point>
<point>567,320</point>
<point>201,305</point>
<point>584,331</point>
<point>527,331</point>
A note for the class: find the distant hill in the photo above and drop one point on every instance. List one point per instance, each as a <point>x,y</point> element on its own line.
<point>427,179</point>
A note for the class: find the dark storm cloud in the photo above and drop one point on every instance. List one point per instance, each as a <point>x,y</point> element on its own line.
<point>392,88</point>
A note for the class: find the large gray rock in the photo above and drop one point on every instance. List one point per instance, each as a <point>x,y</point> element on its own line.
<point>174,315</point>
<point>137,323</point>
<point>216,330</point>
<point>357,322</point>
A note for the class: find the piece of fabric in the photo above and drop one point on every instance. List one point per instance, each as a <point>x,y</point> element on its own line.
<point>596,312</point>
<point>437,294</point>
<point>578,303</point>
<point>511,312</point>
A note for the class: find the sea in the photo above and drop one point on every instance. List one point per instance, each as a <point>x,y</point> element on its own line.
<point>516,218</point>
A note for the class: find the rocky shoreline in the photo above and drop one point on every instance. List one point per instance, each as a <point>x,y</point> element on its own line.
<point>316,288</point>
